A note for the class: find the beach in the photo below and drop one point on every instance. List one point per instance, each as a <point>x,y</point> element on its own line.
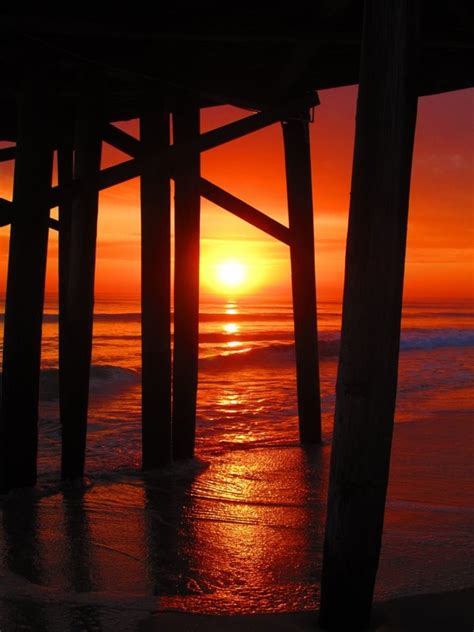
<point>233,539</point>
<point>207,539</point>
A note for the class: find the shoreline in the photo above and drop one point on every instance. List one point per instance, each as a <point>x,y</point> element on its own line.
<point>434,612</point>
<point>241,535</point>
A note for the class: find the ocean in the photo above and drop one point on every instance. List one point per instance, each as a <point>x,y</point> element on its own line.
<point>247,389</point>
<point>240,528</point>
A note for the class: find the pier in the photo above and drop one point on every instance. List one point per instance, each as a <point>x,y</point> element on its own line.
<point>69,79</point>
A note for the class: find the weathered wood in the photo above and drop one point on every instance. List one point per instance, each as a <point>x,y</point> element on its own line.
<point>79,304</point>
<point>65,154</point>
<point>367,374</point>
<point>25,288</point>
<point>156,290</point>
<point>186,281</point>
<point>241,209</point>
<point>303,277</point>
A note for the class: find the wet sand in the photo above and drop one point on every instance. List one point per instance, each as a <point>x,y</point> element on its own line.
<point>453,611</point>
<point>236,543</point>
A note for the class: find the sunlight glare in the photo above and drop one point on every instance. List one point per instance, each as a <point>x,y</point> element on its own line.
<point>231,273</point>
<point>231,328</point>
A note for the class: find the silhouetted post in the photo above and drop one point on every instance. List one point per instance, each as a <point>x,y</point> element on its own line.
<point>25,287</point>
<point>303,278</point>
<point>186,283</point>
<point>156,289</point>
<point>368,363</point>
<point>65,176</point>
<point>80,290</point>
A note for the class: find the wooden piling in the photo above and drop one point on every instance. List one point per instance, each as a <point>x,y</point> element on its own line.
<point>25,287</point>
<point>303,277</point>
<point>367,374</point>
<point>65,155</point>
<point>80,290</point>
<point>155,293</point>
<point>186,282</point>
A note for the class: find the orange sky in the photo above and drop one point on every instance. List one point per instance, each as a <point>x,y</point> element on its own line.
<point>440,238</point>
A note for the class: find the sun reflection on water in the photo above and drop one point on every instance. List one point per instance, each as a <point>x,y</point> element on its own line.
<point>229,402</point>
<point>233,344</point>
<point>231,307</point>
<point>231,328</point>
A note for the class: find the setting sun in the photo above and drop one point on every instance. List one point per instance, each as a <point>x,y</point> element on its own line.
<point>231,273</point>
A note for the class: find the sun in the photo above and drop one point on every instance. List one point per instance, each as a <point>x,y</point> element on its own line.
<point>231,273</point>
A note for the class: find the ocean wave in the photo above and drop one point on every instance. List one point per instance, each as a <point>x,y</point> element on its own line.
<point>272,354</point>
<point>436,338</point>
<point>436,314</point>
<point>204,317</point>
<point>283,352</point>
<point>104,379</point>
<point>212,336</point>
<point>111,379</point>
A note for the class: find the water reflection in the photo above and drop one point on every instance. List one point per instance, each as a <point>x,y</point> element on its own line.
<point>233,344</point>
<point>242,533</point>
<point>231,307</point>
<point>46,544</point>
<point>22,558</point>
<point>235,536</point>
<point>254,538</point>
<point>229,402</point>
<point>231,328</point>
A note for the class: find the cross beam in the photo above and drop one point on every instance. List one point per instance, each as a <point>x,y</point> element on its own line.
<point>7,153</point>
<point>241,209</point>
<point>132,168</point>
<point>215,137</point>
<point>6,214</point>
<point>209,140</point>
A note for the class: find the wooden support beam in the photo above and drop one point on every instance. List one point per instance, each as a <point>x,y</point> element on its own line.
<point>6,214</point>
<point>129,169</point>
<point>241,209</point>
<point>216,195</point>
<point>125,142</point>
<point>303,277</point>
<point>25,288</point>
<point>295,65</point>
<point>65,155</point>
<point>7,153</point>
<point>128,144</point>
<point>186,280</point>
<point>247,125</point>
<point>79,302</point>
<point>156,290</point>
<point>368,362</point>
